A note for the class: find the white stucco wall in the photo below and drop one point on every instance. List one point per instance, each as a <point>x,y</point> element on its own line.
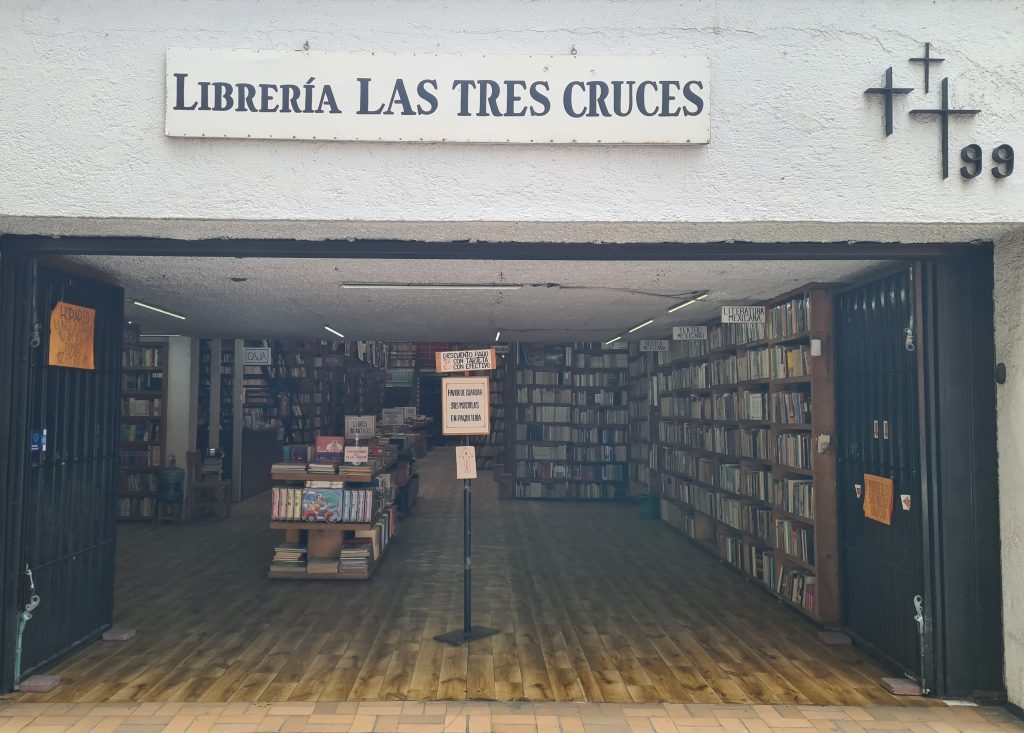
<point>797,150</point>
<point>793,136</point>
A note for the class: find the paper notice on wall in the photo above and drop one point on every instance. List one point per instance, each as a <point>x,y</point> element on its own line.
<point>464,361</point>
<point>72,332</point>
<point>878,496</point>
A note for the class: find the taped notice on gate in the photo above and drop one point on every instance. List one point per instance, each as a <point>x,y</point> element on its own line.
<point>72,331</point>
<point>464,361</point>
<point>878,495</point>
<point>465,406</point>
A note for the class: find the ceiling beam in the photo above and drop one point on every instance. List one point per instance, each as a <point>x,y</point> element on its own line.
<point>399,249</point>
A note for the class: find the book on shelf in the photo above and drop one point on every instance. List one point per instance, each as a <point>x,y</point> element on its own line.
<point>289,467</point>
<point>322,566</point>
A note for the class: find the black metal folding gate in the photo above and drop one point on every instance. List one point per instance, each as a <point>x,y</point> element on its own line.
<point>916,404</point>
<point>57,503</point>
<point>882,566</point>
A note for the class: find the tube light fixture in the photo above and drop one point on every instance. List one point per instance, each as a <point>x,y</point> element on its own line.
<point>431,286</point>
<point>612,341</point>
<point>637,328</point>
<point>497,337</point>
<point>339,334</point>
<point>158,310</point>
<point>691,301</point>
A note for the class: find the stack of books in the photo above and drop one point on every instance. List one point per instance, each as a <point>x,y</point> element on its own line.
<point>289,558</point>
<point>288,467</point>
<point>322,566</point>
<point>355,558</point>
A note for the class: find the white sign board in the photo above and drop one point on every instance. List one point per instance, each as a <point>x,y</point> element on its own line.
<point>465,461</point>
<point>653,346</point>
<point>392,416</point>
<point>689,333</point>
<point>743,313</point>
<point>360,426</point>
<point>465,406</point>
<point>357,455</point>
<point>410,413</point>
<point>464,361</point>
<point>256,356</point>
<point>430,97</point>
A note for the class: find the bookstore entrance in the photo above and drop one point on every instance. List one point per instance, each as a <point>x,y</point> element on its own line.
<point>710,474</point>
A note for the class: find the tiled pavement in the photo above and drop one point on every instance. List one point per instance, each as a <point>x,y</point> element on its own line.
<point>483,717</point>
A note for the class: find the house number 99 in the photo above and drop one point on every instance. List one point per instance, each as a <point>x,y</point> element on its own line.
<point>1002,156</point>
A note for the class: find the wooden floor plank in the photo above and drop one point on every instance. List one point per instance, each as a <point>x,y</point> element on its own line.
<point>592,602</point>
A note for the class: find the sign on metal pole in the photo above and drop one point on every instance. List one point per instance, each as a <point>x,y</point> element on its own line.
<point>465,406</point>
<point>464,361</point>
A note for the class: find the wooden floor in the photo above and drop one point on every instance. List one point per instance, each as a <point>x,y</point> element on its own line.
<point>593,603</point>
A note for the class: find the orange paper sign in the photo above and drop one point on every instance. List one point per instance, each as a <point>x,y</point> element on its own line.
<point>878,494</point>
<point>72,329</point>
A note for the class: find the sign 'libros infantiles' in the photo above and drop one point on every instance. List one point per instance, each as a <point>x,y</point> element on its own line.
<point>438,97</point>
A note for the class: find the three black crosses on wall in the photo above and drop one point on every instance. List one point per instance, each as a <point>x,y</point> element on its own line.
<point>888,93</point>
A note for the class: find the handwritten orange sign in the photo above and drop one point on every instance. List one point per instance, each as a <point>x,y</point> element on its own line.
<point>72,331</point>
<point>878,494</point>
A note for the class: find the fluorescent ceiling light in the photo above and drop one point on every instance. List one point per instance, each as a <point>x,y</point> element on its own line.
<point>339,334</point>
<point>637,328</point>
<point>158,310</point>
<point>157,335</point>
<point>497,336</point>
<point>612,341</point>
<point>691,301</point>
<point>430,286</point>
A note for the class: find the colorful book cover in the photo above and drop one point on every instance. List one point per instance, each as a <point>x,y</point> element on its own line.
<point>322,505</point>
<point>330,444</point>
<point>326,458</point>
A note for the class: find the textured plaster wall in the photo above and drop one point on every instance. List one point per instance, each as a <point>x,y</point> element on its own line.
<point>1009,268</point>
<point>793,136</point>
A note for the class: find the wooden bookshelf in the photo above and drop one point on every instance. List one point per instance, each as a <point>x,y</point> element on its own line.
<point>143,429</point>
<point>490,449</point>
<point>571,422</point>
<point>641,420</point>
<point>738,422</point>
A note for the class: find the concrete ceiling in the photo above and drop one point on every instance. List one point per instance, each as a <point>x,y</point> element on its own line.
<point>560,301</point>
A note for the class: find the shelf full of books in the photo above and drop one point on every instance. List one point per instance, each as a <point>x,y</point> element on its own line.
<point>743,448</point>
<point>490,449</point>
<point>143,428</point>
<point>338,518</point>
<point>571,421</point>
<point>641,411</point>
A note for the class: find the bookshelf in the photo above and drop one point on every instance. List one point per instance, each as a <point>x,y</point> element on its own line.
<point>738,419</point>
<point>224,350</point>
<point>204,395</point>
<point>349,549</point>
<point>641,412</point>
<point>143,429</point>
<point>490,449</point>
<point>571,422</point>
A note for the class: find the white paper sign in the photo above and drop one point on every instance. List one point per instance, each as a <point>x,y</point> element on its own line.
<point>689,333</point>
<point>256,356</point>
<point>465,406</point>
<point>431,97</point>
<point>410,413</point>
<point>357,455</point>
<point>465,461</point>
<point>360,426</point>
<point>392,415</point>
<point>743,313</point>
<point>653,346</point>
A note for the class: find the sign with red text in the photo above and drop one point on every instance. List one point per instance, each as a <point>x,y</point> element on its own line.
<point>464,361</point>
